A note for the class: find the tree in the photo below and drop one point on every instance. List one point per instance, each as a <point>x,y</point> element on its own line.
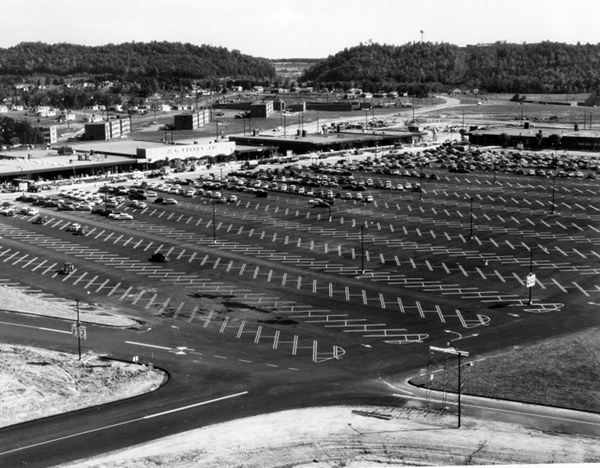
<point>555,140</point>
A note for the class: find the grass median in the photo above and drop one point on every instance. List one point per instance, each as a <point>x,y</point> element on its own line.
<point>562,372</point>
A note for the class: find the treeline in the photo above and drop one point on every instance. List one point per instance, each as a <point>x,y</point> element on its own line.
<point>164,61</point>
<point>14,131</point>
<point>546,67</point>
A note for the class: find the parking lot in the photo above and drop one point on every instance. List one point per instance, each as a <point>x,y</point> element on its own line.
<point>444,262</point>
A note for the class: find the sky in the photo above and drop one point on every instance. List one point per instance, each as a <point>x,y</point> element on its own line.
<point>298,28</point>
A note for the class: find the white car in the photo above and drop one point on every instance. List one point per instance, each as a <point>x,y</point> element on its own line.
<point>169,201</point>
<point>120,216</point>
<point>30,211</point>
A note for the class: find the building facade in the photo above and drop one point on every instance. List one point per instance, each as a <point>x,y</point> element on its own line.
<point>192,121</point>
<point>107,130</point>
<point>261,109</point>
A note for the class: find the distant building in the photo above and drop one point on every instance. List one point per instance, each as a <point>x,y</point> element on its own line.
<point>49,134</point>
<point>335,106</point>
<point>261,109</point>
<point>107,130</point>
<point>278,105</point>
<point>297,107</point>
<point>191,121</point>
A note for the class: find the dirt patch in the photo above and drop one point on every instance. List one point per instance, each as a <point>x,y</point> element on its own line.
<point>36,383</point>
<point>20,301</point>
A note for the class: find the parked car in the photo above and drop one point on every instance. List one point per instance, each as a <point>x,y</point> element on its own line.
<point>122,216</point>
<point>159,257</point>
<point>73,227</point>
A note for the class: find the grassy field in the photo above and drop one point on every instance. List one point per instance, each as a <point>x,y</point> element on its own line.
<point>563,372</point>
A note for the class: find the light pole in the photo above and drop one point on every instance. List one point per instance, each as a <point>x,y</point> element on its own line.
<point>213,224</point>
<point>553,190</point>
<point>470,217</point>
<point>421,183</point>
<point>459,354</point>
<point>362,249</point>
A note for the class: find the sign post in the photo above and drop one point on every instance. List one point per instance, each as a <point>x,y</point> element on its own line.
<point>530,280</point>
<point>78,331</point>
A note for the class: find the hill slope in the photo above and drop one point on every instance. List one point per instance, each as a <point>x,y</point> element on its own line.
<point>132,60</point>
<point>544,67</point>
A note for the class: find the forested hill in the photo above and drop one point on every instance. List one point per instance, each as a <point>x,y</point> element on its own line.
<point>133,61</point>
<point>515,68</point>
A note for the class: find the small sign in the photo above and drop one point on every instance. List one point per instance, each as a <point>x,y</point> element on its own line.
<point>530,282</point>
<point>78,331</point>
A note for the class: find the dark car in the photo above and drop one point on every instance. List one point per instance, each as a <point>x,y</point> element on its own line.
<point>159,257</point>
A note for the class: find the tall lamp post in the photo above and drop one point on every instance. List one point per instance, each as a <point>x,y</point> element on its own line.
<point>362,248</point>
<point>459,354</point>
<point>553,190</point>
<point>470,217</point>
<point>421,183</point>
<point>213,224</point>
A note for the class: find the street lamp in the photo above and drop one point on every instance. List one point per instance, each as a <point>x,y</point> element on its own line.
<point>553,189</point>
<point>459,354</point>
<point>421,183</point>
<point>470,217</point>
<point>362,248</point>
<point>213,224</point>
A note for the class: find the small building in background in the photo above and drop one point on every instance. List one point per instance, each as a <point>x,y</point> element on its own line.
<point>191,121</point>
<point>107,130</point>
<point>49,134</point>
<point>261,109</point>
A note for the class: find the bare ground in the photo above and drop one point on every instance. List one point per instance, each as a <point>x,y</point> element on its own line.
<point>36,383</point>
